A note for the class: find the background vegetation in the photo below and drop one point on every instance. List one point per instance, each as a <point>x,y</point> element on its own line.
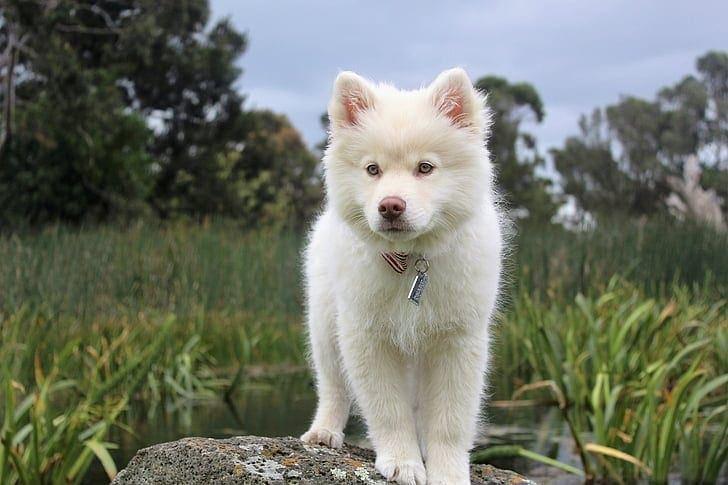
<point>113,110</point>
<point>151,224</point>
<point>98,323</point>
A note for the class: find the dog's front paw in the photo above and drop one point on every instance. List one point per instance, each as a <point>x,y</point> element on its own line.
<point>405,472</point>
<point>448,468</point>
<point>323,436</point>
<point>454,479</point>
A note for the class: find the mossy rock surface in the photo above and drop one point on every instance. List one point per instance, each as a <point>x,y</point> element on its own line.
<point>256,460</point>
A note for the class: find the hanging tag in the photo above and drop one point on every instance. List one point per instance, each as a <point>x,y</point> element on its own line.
<point>420,282</point>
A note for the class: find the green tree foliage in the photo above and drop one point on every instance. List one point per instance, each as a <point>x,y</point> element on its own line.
<point>682,111</point>
<point>271,175</point>
<point>513,150</point>
<point>181,74</point>
<point>713,68</point>
<point>70,149</point>
<point>588,170</point>
<point>122,105</point>
<point>623,155</point>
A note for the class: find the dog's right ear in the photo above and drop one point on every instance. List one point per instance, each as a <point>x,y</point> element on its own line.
<point>454,97</point>
<point>353,95</point>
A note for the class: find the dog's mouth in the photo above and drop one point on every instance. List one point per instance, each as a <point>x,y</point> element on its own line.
<point>396,230</point>
<point>394,227</point>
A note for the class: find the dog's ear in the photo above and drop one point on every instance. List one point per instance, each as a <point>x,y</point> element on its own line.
<point>353,95</point>
<point>454,96</point>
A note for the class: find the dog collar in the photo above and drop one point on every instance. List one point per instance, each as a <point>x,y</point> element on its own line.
<point>396,260</point>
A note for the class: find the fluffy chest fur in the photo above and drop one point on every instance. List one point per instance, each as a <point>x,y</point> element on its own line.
<point>463,281</point>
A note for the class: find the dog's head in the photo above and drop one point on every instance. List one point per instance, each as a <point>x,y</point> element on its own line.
<point>403,165</point>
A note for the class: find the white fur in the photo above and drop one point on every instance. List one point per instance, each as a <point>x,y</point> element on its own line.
<point>416,373</point>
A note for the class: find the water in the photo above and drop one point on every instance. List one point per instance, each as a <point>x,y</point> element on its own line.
<point>285,406</point>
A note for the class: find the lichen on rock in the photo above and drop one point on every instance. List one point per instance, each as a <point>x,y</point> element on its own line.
<point>256,460</point>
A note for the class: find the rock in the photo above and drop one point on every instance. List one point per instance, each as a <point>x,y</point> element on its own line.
<point>256,460</point>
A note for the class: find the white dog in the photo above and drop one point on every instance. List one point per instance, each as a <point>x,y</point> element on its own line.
<point>402,274</point>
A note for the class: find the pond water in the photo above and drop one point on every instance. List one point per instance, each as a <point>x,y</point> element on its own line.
<point>285,406</point>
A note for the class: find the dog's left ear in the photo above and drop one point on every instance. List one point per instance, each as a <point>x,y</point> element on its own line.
<point>454,96</point>
<point>352,97</point>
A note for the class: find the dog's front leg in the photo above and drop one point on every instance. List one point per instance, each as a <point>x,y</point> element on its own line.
<point>377,372</point>
<point>332,410</point>
<point>450,395</point>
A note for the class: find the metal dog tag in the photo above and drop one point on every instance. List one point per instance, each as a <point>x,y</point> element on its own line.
<point>420,282</point>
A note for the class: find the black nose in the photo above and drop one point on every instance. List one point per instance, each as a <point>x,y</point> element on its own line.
<point>391,207</point>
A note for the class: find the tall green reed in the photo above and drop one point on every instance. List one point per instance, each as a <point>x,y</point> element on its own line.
<point>189,270</point>
<point>64,387</point>
<point>181,269</point>
<point>638,381</point>
<point>653,254</point>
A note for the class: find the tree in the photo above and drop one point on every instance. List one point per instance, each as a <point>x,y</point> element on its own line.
<point>70,149</point>
<point>279,179</point>
<point>619,162</point>
<point>589,172</point>
<point>513,150</point>
<point>626,154</point>
<point>122,103</point>
<point>181,73</point>
<point>713,69</point>
<point>682,113</point>
<point>637,128</point>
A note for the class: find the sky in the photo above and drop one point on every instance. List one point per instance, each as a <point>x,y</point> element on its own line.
<point>578,54</point>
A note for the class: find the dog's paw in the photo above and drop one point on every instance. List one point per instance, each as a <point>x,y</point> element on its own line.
<point>447,476</point>
<point>448,466</point>
<point>404,472</point>
<point>443,480</point>
<point>323,436</point>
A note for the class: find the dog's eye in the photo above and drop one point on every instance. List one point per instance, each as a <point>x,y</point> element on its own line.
<point>425,168</point>
<point>373,169</point>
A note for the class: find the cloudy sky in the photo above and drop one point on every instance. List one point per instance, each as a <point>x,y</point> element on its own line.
<point>578,54</point>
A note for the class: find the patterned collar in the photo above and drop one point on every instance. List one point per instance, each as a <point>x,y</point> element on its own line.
<point>396,260</point>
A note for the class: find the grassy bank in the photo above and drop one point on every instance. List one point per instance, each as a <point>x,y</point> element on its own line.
<point>95,320</point>
<point>108,272</point>
<point>652,254</point>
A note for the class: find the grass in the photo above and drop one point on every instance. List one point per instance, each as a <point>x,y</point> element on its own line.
<point>95,321</point>
<point>186,270</point>
<point>638,380</point>
<point>192,270</point>
<point>653,254</point>
<point>55,422</point>
<point>65,385</point>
